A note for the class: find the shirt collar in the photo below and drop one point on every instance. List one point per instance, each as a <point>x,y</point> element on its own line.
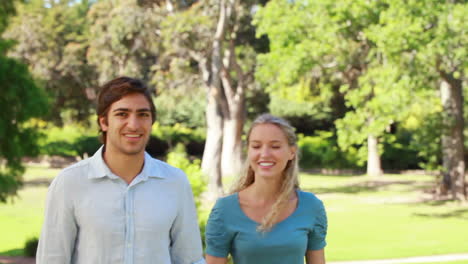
<point>101,170</point>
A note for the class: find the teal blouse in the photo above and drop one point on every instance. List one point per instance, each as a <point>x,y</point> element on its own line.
<point>230,231</point>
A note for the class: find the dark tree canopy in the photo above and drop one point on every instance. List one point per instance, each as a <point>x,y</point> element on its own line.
<point>21,99</point>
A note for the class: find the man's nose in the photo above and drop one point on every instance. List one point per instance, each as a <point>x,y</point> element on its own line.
<point>133,122</point>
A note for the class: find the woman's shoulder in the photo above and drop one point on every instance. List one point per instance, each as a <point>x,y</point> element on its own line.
<point>309,199</point>
<point>226,202</point>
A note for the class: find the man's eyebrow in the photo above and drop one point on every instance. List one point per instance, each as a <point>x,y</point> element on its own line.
<point>122,109</point>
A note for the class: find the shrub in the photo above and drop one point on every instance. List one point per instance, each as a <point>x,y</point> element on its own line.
<point>30,247</point>
<point>178,158</point>
<point>86,145</point>
<point>192,139</point>
<point>321,151</point>
<point>76,140</point>
<point>69,140</point>
<point>399,153</point>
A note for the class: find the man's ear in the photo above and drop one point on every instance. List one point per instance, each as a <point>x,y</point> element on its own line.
<point>103,123</point>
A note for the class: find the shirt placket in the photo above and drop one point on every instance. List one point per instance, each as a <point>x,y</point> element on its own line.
<point>129,225</point>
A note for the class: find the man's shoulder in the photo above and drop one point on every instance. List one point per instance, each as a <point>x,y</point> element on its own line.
<point>76,168</point>
<point>72,175</point>
<point>164,169</point>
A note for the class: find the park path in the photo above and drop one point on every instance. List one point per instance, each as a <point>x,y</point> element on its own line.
<point>17,260</point>
<point>424,259</point>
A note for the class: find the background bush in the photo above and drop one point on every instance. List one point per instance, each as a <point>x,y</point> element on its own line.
<point>77,140</point>
<point>179,158</point>
<point>30,247</point>
<point>321,151</point>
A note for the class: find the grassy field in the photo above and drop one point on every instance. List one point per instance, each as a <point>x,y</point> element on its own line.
<point>390,217</point>
<point>21,218</point>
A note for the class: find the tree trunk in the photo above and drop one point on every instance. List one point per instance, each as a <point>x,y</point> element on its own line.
<point>231,161</point>
<point>374,167</point>
<point>212,155</point>
<point>223,147</point>
<point>452,137</point>
<point>211,163</point>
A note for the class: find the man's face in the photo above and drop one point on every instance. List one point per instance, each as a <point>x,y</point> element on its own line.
<point>128,125</point>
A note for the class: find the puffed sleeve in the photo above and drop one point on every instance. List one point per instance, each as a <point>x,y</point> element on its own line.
<point>217,237</point>
<point>319,232</point>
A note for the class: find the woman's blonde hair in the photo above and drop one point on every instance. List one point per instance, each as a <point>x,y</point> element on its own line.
<point>290,182</point>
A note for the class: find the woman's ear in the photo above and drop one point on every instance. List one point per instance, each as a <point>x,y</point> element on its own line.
<point>293,152</point>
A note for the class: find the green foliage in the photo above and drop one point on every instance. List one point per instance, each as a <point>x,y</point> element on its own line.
<point>428,40</point>
<point>401,152</point>
<point>30,247</point>
<point>175,109</point>
<point>382,55</point>
<point>123,38</point>
<point>6,9</point>
<point>177,133</point>
<point>192,167</point>
<point>178,158</point>
<point>70,140</point>
<point>321,151</point>
<point>424,122</point>
<point>325,57</point>
<point>75,139</point>
<point>51,37</point>
<point>381,100</point>
<point>21,100</point>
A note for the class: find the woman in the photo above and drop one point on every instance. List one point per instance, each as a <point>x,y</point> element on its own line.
<point>267,219</point>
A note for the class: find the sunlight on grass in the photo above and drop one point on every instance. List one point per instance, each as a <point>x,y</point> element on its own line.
<point>445,262</point>
<point>35,172</point>
<point>21,219</point>
<point>387,217</point>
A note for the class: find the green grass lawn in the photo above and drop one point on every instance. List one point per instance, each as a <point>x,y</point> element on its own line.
<point>368,218</point>
<point>21,218</point>
<point>388,218</point>
<point>445,262</point>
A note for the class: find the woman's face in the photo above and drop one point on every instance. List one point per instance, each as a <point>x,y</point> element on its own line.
<point>269,151</point>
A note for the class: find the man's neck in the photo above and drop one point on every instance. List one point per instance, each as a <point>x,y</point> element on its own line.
<point>125,166</point>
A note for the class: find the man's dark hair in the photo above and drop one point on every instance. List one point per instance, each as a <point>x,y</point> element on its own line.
<point>116,89</point>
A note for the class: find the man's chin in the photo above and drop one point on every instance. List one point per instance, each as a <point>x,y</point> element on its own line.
<point>133,151</point>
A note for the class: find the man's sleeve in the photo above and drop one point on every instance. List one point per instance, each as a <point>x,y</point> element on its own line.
<point>186,247</point>
<point>59,230</point>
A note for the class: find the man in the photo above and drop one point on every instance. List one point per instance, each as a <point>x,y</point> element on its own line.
<point>121,205</point>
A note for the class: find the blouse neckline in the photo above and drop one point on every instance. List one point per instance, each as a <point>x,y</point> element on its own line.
<point>257,223</point>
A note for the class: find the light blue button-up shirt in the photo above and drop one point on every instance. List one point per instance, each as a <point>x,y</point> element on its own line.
<point>94,217</point>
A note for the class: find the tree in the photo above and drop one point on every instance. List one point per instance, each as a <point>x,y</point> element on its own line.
<point>124,38</point>
<point>430,39</point>
<point>319,52</point>
<point>21,100</point>
<point>214,36</point>
<point>52,39</point>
